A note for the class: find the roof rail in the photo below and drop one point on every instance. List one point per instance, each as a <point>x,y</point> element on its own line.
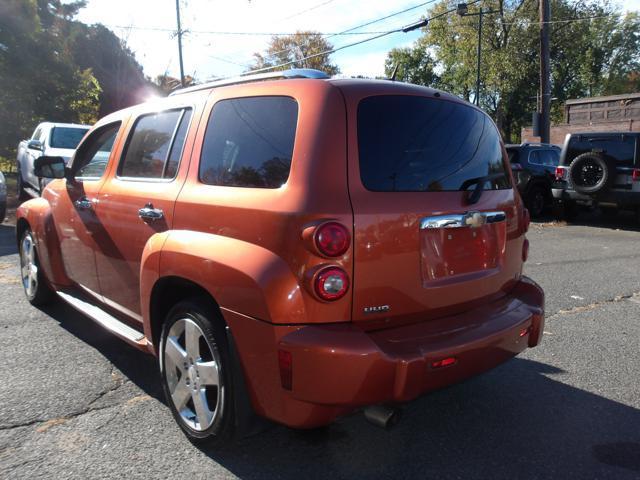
<point>292,73</point>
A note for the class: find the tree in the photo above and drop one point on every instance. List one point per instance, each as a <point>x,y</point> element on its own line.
<point>588,57</point>
<point>415,65</point>
<point>294,48</point>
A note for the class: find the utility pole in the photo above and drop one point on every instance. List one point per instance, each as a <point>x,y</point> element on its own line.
<point>179,33</point>
<point>545,81</point>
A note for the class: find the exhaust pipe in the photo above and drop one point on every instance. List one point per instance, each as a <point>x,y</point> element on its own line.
<point>382,416</point>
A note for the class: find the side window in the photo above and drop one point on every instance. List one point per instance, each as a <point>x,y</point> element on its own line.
<point>155,144</point>
<point>249,142</point>
<point>92,156</point>
<point>551,158</point>
<point>37,134</point>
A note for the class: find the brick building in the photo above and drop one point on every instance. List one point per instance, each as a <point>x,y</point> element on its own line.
<point>620,113</point>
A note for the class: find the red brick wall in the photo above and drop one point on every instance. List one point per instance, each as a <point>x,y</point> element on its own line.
<point>559,132</point>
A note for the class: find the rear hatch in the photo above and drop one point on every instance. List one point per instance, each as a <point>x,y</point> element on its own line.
<point>424,247</point>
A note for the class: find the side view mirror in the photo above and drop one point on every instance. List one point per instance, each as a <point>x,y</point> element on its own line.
<point>35,145</point>
<point>49,167</point>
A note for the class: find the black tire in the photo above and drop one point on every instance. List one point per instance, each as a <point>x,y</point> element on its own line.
<point>565,210</point>
<point>592,173</point>
<point>35,285</point>
<point>536,200</point>
<point>189,381</point>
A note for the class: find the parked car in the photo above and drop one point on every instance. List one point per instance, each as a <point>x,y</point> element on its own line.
<point>599,170</point>
<point>534,167</point>
<point>52,139</point>
<point>296,248</point>
<point>3,198</point>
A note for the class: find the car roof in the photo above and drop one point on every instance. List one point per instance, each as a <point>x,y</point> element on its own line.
<point>604,134</point>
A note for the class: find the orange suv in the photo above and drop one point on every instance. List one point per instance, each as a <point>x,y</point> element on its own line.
<point>291,246</point>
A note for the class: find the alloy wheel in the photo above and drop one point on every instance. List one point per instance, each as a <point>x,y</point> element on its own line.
<point>28,266</point>
<point>193,375</point>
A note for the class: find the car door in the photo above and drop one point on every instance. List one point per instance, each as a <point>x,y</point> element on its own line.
<point>137,201</point>
<point>74,204</point>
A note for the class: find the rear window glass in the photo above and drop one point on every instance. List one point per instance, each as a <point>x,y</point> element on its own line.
<point>249,142</point>
<point>417,144</point>
<point>621,148</point>
<point>66,137</point>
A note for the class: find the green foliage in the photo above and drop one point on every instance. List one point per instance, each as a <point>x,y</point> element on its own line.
<point>594,57</point>
<point>293,48</point>
<point>415,65</point>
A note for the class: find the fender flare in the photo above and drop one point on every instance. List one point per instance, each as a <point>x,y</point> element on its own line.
<point>36,214</point>
<point>240,276</point>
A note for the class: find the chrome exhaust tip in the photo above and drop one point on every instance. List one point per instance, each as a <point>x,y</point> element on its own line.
<point>382,416</point>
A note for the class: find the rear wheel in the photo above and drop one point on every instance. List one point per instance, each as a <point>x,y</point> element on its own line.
<point>195,367</point>
<point>34,284</point>
<point>535,201</point>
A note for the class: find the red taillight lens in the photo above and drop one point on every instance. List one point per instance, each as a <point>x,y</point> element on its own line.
<point>332,239</point>
<point>285,363</point>
<point>560,173</point>
<point>525,250</point>
<point>516,167</point>
<point>331,283</point>
<point>445,362</point>
<point>635,175</point>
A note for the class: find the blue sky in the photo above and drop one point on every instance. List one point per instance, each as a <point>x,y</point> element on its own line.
<point>146,27</point>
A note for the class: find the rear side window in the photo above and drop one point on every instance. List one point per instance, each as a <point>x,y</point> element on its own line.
<point>155,145</point>
<point>417,144</point>
<point>249,142</point>
<point>620,147</point>
<point>66,137</point>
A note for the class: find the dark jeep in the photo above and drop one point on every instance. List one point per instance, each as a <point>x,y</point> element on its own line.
<point>598,170</point>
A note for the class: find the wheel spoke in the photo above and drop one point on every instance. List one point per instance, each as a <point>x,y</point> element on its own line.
<point>192,337</point>
<point>208,372</point>
<point>203,414</point>
<point>180,395</point>
<point>175,353</point>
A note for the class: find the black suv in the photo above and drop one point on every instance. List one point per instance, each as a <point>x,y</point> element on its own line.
<point>598,170</point>
<point>534,166</point>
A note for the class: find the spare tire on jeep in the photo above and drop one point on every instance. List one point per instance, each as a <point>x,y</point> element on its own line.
<point>591,173</point>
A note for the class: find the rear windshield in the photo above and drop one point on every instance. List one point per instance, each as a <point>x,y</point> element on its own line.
<point>417,144</point>
<point>66,137</point>
<point>619,147</point>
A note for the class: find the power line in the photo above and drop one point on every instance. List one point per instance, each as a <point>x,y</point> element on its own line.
<point>333,50</point>
<point>257,34</point>
<point>307,10</point>
<point>569,20</point>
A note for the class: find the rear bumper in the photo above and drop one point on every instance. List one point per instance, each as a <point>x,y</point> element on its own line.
<point>624,199</point>
<point>337,368</point>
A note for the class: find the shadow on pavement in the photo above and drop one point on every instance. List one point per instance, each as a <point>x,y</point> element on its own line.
<point>589,217</point>
<point>8,245</point>
<point>514,422</point>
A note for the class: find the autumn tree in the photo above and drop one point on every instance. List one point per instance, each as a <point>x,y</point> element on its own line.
<point>294,50</point>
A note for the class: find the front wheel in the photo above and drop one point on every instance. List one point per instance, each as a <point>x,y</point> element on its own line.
<point>34,284</point>
<point>536,200</point>
<point>195,367</point>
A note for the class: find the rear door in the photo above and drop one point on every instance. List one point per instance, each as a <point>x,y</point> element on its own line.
<point>137,201</point>
<point>424,247</point>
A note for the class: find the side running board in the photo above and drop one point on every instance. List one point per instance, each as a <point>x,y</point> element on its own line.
<point>106,320</point>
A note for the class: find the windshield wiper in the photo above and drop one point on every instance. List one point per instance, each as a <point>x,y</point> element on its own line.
<point>479,182</point>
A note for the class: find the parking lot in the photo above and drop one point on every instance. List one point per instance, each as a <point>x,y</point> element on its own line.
<point>78,403</point>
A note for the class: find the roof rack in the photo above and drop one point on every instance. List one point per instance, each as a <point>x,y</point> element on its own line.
<point>292,73</point>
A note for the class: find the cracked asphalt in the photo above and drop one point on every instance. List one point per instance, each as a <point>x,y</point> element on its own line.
<point>78,403</point>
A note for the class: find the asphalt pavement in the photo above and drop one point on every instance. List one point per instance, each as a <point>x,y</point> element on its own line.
<point>76,402</point>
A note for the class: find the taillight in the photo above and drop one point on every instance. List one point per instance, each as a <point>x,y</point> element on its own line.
<point>525,250</point>
<point>445,362</point>
<point>516,167</point>
<point>331,283</point>
<point>332,239</point>
<point>285,364</point>
<point>561,173</point>
<point>635,175</point>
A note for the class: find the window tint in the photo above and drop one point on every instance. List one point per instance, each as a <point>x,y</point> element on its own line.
<point>66,137</point>
<point>249,142</point>
<point>535,157</point>
<point>178,145</point>
<point>619,147</point>
<point>153,138</point>
<point>550,158</point>
<point>415,144</point>
<point>92,156</point>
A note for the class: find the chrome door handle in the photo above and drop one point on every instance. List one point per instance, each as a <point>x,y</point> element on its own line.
<point>469,219</point>
<point>150,213</point>
<point>83,203</point>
